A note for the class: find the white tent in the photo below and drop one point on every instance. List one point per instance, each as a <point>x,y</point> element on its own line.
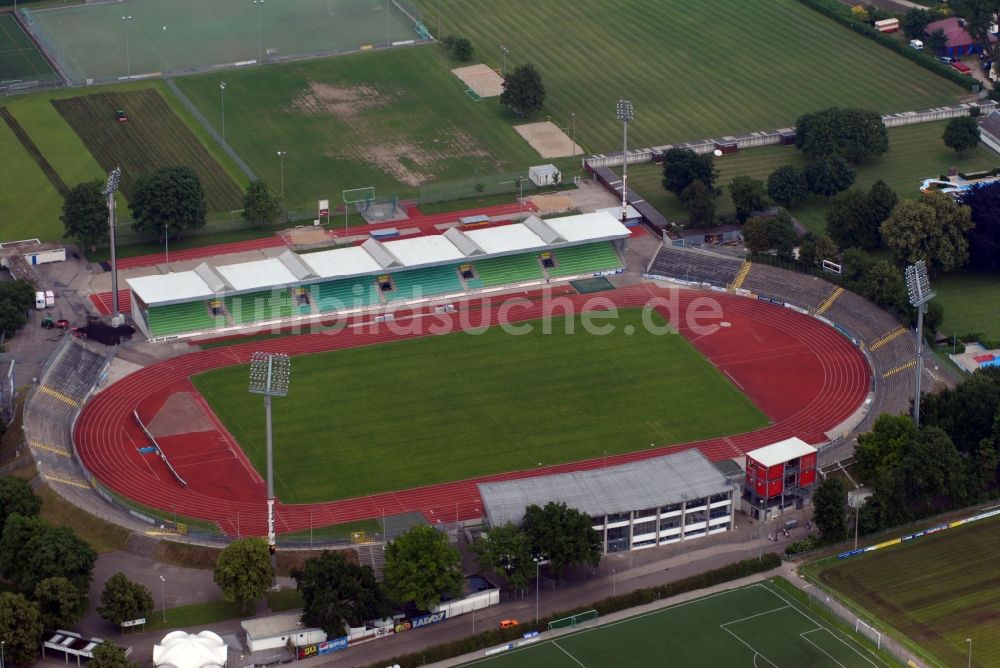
<point>180,649</point>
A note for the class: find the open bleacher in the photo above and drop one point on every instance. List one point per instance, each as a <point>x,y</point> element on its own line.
<point>179,318</point>
<point>260,306</point>
<point>507,269</point>
<point>347,294</point>
<point>589,259</point>
<point>424,283</point>
<point>694,266</point>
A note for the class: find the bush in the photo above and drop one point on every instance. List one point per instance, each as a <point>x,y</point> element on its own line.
<point>450,650</point>
<point>804,545</point>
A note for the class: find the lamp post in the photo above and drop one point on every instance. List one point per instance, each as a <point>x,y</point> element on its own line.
<point>614,582</point>
<point>166,244</point>
<point>163,596</point>
<point>969,640</point>
<point>538,563</point>
<point>260,42</point>
<point>625,113</point>
<point>918,287</point>
<point>2,643</point>
<point>760,531</point>
<point>114,178</point>
<point>269,375</point>
<point>222,95</point>
<point>128,62</point>
<point>281,157</point>
<point>503,70</point>
<point>573,114</point>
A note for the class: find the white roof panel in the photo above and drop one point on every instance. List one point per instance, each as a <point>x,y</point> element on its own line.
<point>781,452</point>
<point>170,287</point>
<point>595,226</point>
<point>257,274</point>
<point>350,261</point>
<point>424,250</point>
<point>506,238</point>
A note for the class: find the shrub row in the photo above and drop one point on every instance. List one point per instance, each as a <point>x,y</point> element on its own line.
<point>842,14</point>
<point>606,606</point>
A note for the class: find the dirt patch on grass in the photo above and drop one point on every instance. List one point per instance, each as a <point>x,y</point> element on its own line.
<point>181,414</point>
<point>548,139</point>
<point>415,165</point>
<point>481,79</point>
<point>343,102</point>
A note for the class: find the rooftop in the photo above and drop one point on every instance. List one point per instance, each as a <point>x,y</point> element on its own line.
<point>781,452</point>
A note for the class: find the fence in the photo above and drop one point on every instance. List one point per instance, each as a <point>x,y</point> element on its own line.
<point>477,186</point>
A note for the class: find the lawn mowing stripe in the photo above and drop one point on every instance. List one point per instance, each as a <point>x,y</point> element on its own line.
<point>36,155</point>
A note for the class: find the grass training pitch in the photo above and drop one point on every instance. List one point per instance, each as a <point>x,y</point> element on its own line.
<point>20,59</point>
<point>692,69</point>
<point>937,590</point>
<point>153,137</point>
<point>393,120</point>
<point>758,625</point>
<point>92,41</point>
<point>450,407</point>
<point>971,304</point>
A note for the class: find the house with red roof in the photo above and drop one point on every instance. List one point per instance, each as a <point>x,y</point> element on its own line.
<point>960,42</point>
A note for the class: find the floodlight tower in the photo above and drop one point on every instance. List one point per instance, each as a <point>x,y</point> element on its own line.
<point>625,114</point>
<point>114,178</point>
<point>919,288</point>
<point>269,375</point>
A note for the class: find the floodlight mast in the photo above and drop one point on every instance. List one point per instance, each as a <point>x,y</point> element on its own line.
<point>918,287</point>
<point>270,374</point>
<point>625,113</point>
<point>114,178</point>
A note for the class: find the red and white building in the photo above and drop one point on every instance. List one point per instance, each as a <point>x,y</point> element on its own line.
<point>779,476</point>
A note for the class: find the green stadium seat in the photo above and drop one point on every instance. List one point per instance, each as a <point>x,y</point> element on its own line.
<point>425,283</point>
<point>260,306</point>
<point>346,294</point>
<point>587,259</point>
<point>507,269</point>
<point>180,318</point>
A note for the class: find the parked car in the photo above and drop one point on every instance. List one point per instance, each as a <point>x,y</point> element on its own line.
<point>62,323</point>
<point>508,623</point>
<point>121,116</point>
<point>962,67</point>
<point>916,44</point>
<point>947,59</point>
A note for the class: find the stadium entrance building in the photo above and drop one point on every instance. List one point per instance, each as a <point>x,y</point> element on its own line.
<point>779,476</point>
<point>376,275</point>
<point>633,506</point>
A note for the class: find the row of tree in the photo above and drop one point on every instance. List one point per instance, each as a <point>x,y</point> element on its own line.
<point>168,201</point>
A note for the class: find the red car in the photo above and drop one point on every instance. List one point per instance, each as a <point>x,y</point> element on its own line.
<point>962,67</point>
<point>62,324</point>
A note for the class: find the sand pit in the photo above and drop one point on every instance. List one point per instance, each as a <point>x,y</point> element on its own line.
<point>307,236</point>
<point>181,414</point>
<point>552,203</point>
<point>481,80</point>
<point>548,139</point>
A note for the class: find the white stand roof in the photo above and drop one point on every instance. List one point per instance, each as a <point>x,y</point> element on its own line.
<point>781,452</point>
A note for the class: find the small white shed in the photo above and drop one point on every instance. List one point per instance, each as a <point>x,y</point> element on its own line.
<point>544,175</point>
<point>277,631</point>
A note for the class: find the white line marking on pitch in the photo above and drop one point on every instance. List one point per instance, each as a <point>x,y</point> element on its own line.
<point>573,657</point>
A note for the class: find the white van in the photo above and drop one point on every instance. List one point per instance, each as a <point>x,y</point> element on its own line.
<point>916,44</point>
<point>40,301</point>
<point>50,299</point>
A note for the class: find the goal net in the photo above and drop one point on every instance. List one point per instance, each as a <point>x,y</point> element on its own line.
<point>869,631</point>
<point>573,620</point>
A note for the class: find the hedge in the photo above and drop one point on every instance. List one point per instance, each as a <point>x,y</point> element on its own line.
<point>842,14</point>
<point>734,571</point>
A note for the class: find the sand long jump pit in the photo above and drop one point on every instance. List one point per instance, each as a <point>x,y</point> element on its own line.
<point>548,139</point>
<point>481,80</point>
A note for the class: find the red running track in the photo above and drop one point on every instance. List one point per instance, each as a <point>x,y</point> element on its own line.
<point>804,375</point>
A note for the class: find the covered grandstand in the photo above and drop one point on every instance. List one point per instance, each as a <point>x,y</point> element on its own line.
<point>376,274</point>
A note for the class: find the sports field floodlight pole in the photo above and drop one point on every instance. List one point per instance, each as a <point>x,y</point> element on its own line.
<point>538,563</point>
<point>281,157</point>
<point>114,178</point>
<point>128,62</point>
<point>625,113</point>
<point>269,375</point>
<point>222,95</point>
<point>918,285</point>
<point>969,640</point>
<point>573,114</point>
<point>260,41</point>
<point>503,70</point>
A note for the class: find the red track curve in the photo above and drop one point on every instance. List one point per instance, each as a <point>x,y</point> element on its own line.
<point>804,375</point>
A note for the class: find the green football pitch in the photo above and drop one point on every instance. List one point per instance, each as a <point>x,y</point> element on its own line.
<point>757,626</point>
<point>450,407</point>
<point>109,40</point>
<point>20,60</point>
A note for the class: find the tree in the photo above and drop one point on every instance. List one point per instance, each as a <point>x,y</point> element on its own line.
<point>462,49</point>
<point>123,600</point>
<point>755,235</point>
<point>881,200</point>
<point>523,90</point>
<point>507,549</point>
<point>851,222</point>
<point>968,413</point>
<point>337,592</point>
<point>16,496</point>
<point>261,205</point>
<point>20,294</point>
<point>20,628</point>
<point>57,551</point>
<point>830,510</point>
<point>931,229</point>
<point>167,201</point>
<point>110,655</point>
<point>681,167</point>
<point>59,602</point>
<point>853,134</point>
<point>562,535</point>
<point>933,468</point>
<point>85,215</point>
<point>749,196</point>
<point>829,176</point>
<point>243,571</point>
<point>937,41</point>
<point>984,237</point>
<point>961,134</point>
<point>420,567</point>
<point>18,533</point>
<point>700,201</point>
<point>883,446</point>
<point>914,23</point>
<point>787,185</point>
<point>884,284</point>
<point>11,318</point>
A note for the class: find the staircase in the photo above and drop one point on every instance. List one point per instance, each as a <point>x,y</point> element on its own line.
<point>828,302</point>
<point>741,276</point>
<point>140,545</point>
